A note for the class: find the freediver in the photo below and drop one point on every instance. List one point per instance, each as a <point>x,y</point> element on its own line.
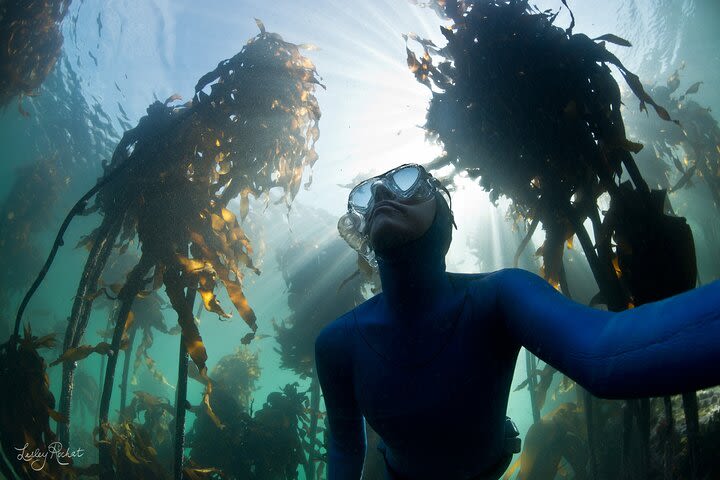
<point>429,361</point>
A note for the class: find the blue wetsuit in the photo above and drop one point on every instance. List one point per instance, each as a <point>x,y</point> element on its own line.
<point>429,361</point>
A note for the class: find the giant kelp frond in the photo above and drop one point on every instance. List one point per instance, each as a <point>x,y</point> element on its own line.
<point>253,132</point>
<point>132,452</point>
<point>541,385</point>
<point>238,374</point>
<point>266,445</point>
<point>533,112</point>
<point>519,99</point>
<point>27,407</point>
<point>83,351</point>
<point>558,438</point>
<point>30,44</point>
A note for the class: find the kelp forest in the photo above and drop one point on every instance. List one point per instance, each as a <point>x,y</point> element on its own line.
<point>166,265</point>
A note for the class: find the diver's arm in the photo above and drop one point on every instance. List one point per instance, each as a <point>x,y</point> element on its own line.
<point>660,348</point>
<point>347,444</point>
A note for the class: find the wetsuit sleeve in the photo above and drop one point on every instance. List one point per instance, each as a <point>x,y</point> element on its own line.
<point>347,443</point>
<point>660,348</point>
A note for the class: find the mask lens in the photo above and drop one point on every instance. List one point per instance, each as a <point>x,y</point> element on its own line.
<point>406,178</point>
<point>361,195</point>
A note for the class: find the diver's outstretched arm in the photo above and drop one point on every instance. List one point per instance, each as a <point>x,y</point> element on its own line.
<point>348,442</point>
<point>660,348</point>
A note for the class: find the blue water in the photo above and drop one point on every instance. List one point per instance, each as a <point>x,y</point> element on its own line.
<point>118,57</point>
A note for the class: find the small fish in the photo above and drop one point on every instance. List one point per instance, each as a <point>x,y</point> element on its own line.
<point>122,111</point>
<point>609,37</point>
<point>693,89</point>
<point>684,180</point>
<point>678,164</point>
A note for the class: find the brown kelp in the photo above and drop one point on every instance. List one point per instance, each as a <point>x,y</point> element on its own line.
<point>674,461</point>
<point>30,44</point>
<point>559,436</point>
<point>548,112</point>
<point>130,445</point>
<point>265,445</point>
<point>678,155</point>
<point>169,183</point>
<point>25,413</point>
<point>145,318</point>
<point>532,110</point>
<point>238,374</point>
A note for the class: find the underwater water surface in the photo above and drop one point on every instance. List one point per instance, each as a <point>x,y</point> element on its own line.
<point>119,57</point>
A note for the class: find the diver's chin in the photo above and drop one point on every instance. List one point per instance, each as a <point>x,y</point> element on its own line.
<point>386,237</point>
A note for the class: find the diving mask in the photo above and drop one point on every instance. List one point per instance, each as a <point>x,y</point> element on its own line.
<point>406,182</point>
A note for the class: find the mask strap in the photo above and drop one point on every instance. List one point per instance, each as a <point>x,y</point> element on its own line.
<point>439,184</point>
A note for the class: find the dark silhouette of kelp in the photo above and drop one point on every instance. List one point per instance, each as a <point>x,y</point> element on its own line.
<point>697,140</point>
<point>265,445</point>
<point>169,183</point>
<point>30,45</point>
<point>27,409</point>
<point>532,110</point>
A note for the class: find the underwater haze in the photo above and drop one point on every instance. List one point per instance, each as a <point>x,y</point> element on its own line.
<point>267,262</point>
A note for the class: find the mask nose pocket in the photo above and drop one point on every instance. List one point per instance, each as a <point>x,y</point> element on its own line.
<point>380,191</point>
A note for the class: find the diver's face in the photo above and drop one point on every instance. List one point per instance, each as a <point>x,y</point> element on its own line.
<point>393,222</point>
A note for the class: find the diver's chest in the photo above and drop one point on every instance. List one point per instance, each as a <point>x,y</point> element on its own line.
<point>454,371</point>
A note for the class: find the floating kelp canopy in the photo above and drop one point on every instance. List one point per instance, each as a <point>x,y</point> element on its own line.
<point>250,129</point>
<point>27,407</point>
<point>30,44</point>
<point>532,111</point>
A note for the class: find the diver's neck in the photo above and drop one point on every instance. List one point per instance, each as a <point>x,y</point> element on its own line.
<point>413,285</point>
